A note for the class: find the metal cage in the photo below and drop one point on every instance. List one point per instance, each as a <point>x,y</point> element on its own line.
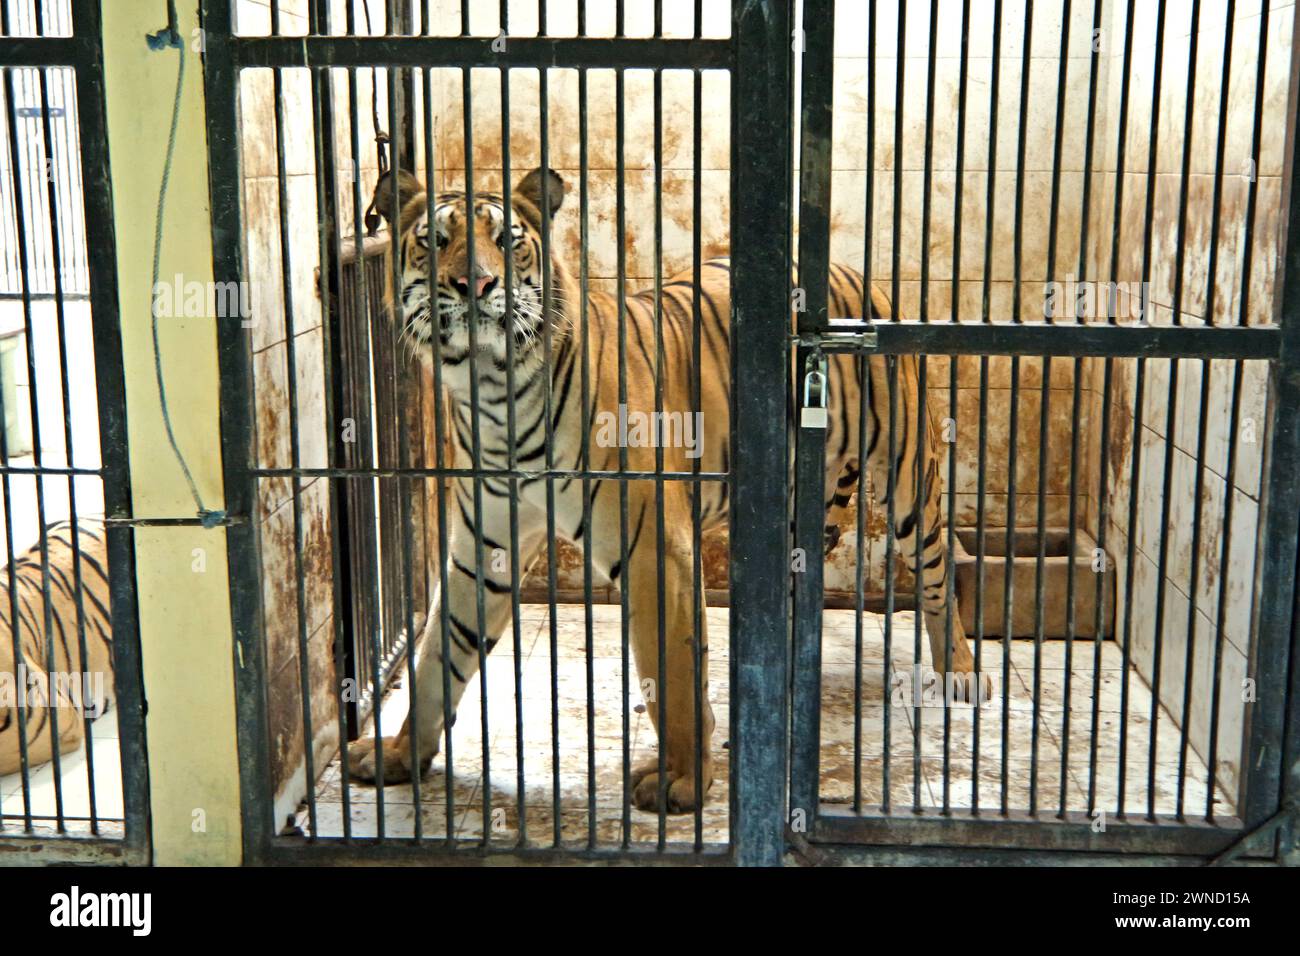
<point>61,293</point>
<point>783,650</point>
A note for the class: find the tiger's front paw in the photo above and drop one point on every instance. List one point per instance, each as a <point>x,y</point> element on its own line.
<point>681,793</point>
<point>363,764</point>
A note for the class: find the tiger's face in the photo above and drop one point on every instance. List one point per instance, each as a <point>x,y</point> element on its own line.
<point>470,303</point>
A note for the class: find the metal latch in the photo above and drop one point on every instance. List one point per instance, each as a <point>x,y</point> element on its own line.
<point>853,338</point>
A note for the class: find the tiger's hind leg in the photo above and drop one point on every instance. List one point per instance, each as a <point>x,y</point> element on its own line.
<point>842,485</point>
<point>922,545</point>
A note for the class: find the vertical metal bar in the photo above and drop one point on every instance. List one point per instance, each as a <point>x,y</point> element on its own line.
<point>363,315</point>
<point>1079,365</point>
<point>1135,474</point>
<point>1100,591</point>
<point>1022,133</point>
<point>1008,603</point>
<point>1044,440</point>
<point>403,571</point>
<point>65,398</point>
<point>922,472</point>
<point>1153,143</point>
<point>899,101</point>
<point>1044,420</point>
<point>697,543</point>
<point>981,502</point>
<point>986,317</point>
<point>891,539</point>
<point>761,107</point>
<point>862,365</point>
<point>1221,614</point>
<point>1040,583</point>
<point>512,449</point>
<point>810,443</point>
<point>1252,193</point>
<point>440,436</point>
<point>620,161</point>
<point>1103,491</point>
<point>327,206</point>
<point>584,265</point>
<point>549,409</point>
<point>15,621</point>
<point>1008,618</point>
<point>237,415</point>
<point>661,696</point>
<point>950,590</point>
<point>295,457</point>
<point>928,172</point>
<point>918,582</point>
<point>1275,586</point>
<point>476,439</point>
<point>1189,118</point>
<point>859,584</point>
<point>97,207</point>
<point>1135,468</point>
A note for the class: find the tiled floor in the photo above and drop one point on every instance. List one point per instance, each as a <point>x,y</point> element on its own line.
<point>74,778</point>
<point>495,795</point>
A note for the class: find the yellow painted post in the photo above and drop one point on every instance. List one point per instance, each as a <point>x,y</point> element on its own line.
<point>184,606</point>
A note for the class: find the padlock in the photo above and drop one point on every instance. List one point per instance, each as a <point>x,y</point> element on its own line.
<point>813,413</point>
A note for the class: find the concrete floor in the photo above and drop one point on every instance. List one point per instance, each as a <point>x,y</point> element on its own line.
<point>495,795</point>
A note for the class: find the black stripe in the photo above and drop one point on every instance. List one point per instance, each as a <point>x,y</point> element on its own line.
<point>494,586</point>
<point>468,634</point>
<point>618,565</point>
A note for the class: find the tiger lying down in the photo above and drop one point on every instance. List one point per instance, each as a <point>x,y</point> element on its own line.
<point>79,687</point>
<point>458,282</point>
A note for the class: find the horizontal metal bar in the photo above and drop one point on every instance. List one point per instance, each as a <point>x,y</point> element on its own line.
<point>195,521</point>
<point>43,296</point>
<point>43,51</point>
<point>49,470</point>
<point>1255,342</point>
<point>428,52</point>
<point>502,473</point>
<point>842,855</point>
<point>717,597</point>
<point>1073,831</point>
<point>335,851</point>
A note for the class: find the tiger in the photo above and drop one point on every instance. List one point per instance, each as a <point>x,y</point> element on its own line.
<point>81,688</point>
<point>474,292</point>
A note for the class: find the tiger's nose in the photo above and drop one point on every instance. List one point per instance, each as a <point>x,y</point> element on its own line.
<point>484,285</point>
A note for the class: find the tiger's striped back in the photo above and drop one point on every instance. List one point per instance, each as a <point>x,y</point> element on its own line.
<point>61,651</point>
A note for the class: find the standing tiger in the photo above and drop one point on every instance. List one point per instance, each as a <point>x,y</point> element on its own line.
<point>78,688</point>
<point>458,282</point>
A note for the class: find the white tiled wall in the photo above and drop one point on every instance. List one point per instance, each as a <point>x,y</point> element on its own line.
<point>1189,607</point>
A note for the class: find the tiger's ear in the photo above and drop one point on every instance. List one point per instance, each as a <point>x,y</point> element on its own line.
<point>530,188</point>
<point>408,188</point>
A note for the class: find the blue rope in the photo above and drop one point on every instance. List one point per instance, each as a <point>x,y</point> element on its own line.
<point>162,40</point>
